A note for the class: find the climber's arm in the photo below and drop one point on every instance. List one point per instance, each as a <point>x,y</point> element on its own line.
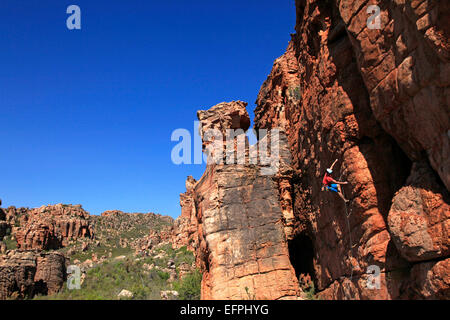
<point>340,182</point>
<point>333,164</point>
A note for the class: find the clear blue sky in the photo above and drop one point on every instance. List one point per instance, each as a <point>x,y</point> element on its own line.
<point>87,115</point>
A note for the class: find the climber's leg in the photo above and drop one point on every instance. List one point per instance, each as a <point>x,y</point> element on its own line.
<point>337,188</point>
<point>342,196</point>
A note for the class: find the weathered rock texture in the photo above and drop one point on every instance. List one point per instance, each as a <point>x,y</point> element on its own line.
<point>429,280</point>
<point>233,218</point>
<point>376,100</point>
<point>419,219</point>
<point>50,227</point>
<point>185,226</point>
<point>26,273</point>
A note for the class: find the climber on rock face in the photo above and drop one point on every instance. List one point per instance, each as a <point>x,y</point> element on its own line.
<point>328,183</point>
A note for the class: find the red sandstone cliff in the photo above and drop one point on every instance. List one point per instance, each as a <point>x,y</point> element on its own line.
<point>49,227</point>
<point>233,219</point>
<point>376,100</point>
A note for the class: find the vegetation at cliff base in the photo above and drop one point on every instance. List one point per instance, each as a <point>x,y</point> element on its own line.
<point>189,287</point>
<point>144,277</point>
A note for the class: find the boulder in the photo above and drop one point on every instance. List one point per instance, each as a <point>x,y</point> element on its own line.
<point>169,295</point>
<point>419,219</point>
<point>125,294</point>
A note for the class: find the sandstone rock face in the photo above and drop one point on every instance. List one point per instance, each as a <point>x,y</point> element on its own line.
<point>242,242</point>
<point>26,273</point>
<point>376,101</point>
<point>235,117</point>
<point>236,213</point>
<point>419,219</point>
<point>51,227</point>
<point>430,281</point>
<point>406,69</point>
<point>50,272</point>
<point>185,227</point>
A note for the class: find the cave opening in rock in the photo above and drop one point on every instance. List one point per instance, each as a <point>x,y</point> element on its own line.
<point>40,287</point>
<point>301,254</point>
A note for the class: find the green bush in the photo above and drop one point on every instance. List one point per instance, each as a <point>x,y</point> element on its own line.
<point>184,255</point>
<point>163,275</point>
<point>311,293</point>
<point>105,281</point>
<point>189,287</point>
<point>10,244</point>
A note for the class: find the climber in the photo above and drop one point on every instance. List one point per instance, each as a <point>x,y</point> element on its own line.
<point>328,183</point>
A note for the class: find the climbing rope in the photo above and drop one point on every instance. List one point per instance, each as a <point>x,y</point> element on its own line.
<point>349,234</point>
<point>350,237</point>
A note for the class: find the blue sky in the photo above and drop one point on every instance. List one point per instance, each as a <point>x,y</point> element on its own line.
<point>87,115</point>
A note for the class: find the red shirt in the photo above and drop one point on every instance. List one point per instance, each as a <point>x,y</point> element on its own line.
<point>327,179</point>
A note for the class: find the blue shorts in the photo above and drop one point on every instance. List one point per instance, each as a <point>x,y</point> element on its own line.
<point>333,187</point>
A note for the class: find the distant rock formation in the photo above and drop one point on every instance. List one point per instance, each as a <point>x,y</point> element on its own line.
<point>49,227</point>
<point>148,229</point>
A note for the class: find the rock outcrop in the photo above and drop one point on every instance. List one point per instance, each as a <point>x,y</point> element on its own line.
<point>138,231</point>
<point>144,246</point>
<point>237,215</point>
<point>51,227</point>
<point>24,274</point>
<point>185,226</point>
<point>419,219</point>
